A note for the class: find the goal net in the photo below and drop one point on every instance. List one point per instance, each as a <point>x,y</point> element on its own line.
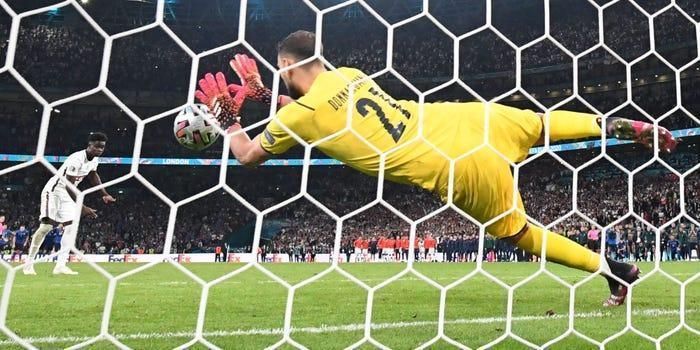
<point>129,67</point>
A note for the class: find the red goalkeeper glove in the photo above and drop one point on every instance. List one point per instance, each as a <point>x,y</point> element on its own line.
<point>216,94</point>
<point>247,71</point>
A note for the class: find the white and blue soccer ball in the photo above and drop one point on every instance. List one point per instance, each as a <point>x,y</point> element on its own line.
<point>193,127</point>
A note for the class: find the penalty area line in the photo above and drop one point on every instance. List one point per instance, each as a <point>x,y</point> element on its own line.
<point>343,328</point>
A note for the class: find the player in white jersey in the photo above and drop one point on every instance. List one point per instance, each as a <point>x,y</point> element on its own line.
<point>58,202</point>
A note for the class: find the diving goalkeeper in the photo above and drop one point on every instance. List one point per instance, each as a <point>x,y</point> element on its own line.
<point>483,183</point>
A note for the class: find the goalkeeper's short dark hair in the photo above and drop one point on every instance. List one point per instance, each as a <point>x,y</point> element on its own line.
<point>300,45</point>
<point>97,136</point>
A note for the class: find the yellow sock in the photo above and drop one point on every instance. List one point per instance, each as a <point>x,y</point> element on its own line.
<point>559,249</point>
<point>565,125</point>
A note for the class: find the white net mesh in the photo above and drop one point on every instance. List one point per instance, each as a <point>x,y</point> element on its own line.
<point>547,38</point>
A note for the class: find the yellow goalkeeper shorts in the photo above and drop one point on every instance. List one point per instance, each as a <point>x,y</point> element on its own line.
<point>484,186</point>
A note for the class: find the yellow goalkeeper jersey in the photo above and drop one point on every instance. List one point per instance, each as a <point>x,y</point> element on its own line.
<point>392,127</point>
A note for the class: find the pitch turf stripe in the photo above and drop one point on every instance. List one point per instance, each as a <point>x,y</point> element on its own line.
<point>342,328</point>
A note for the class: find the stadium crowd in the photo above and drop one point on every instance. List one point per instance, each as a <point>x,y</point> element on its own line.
<point>146,63</point>
<point>601,77</point>
<point>138,221</point>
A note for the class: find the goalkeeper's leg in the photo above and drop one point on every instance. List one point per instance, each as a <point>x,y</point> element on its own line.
<point>37,240</point>
<point>567,252</point>
<point>565,125</point>
<point>491,193</point>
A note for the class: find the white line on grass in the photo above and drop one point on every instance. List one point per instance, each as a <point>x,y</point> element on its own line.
<point>344,328</point>
<point>267,281</point>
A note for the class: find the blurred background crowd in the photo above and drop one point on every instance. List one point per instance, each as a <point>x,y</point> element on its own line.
<point>59,54</point>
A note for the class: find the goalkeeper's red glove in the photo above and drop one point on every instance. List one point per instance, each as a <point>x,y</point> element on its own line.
<point>216,94</point>
<point>247,71</point>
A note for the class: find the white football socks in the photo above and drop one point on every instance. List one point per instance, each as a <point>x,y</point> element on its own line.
<point>37,240</point>
<point>67,242</point>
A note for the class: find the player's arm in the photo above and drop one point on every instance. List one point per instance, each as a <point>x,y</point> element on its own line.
<point>71,175</point>
<point>248,152</point>
<point>226,100</point>
<point>85,210</point>
<point>95,180</point>
<point>247,70</point>
<point>274,139</point>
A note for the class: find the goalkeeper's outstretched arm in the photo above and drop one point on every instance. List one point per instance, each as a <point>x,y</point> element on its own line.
<point>226,101</point>
<point>248,152</point>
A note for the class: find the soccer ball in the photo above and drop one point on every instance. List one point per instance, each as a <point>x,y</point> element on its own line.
<point>193,128</point>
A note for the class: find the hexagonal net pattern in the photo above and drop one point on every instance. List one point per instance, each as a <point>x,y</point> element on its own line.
<point>199,337</point>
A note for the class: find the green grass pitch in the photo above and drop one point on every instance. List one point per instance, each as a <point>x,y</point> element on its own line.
<point>157,308</point>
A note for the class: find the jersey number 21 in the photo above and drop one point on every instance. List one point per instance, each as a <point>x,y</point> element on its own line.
<point>364,105</point>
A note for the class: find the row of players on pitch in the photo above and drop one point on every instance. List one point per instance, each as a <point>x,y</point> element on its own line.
<point>455,247</point>
<point>642,249</point>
